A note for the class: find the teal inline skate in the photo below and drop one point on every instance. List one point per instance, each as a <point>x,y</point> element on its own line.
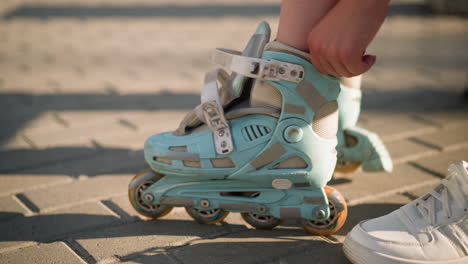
<point>262,143</point>
<point>357,147</point>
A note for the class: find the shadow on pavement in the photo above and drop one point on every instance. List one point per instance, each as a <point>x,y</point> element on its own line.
<point>176,11</point>
<point>16,109</point>
<point>46,228</point>
<point>72,161</point>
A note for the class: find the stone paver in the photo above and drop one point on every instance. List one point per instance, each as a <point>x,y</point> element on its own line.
<point>141,237</point>
<point>152,258</point>
<point>99,160</point>
<point>396,126</point>
<point>57,252</point>
<point>407,149</point>
<point>445,139</point>
<point>80,93</point>
<point>403,176</point>
<point>326,253</point>
<point>453,118</point>
<point>121,205</point>
<point>253,246</point>
<point>11,208</point>
<point>45,227</point>
<point>438,164</point>
<point>12,183</point>
<point>78,191</point>
<point>23,159</point>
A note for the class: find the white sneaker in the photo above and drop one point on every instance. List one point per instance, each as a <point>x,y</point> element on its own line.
<point>432,229</point>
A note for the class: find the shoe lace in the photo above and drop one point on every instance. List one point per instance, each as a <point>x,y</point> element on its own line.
<point>458,189</point>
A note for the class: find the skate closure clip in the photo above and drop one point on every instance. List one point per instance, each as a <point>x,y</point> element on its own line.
<point>212,113</point>
<point>271,70</point>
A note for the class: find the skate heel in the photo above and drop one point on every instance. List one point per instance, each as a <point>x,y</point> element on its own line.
<point>358,147</point>
<point>363,148</point>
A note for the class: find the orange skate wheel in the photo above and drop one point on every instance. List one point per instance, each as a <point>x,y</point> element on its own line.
<point>337,218</point>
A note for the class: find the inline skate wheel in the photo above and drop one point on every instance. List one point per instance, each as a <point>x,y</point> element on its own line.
<point>346,167</point>
<point>261,221</point>
<point>210,216</point>
<point>338,214</point>
<point>137,186</point>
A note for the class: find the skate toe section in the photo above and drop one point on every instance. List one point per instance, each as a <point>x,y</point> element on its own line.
<point>365,148</point>
<point>193,155</point>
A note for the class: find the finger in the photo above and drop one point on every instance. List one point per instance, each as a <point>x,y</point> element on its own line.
<point>360,65</point>
<point>369,61</point>
<point>316,62</point>
<point>340,68</point>
<point>328,68</point>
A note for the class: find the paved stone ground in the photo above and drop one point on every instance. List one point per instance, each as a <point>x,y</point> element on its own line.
<point>82,86</point>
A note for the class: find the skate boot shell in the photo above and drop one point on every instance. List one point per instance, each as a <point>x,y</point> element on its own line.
<point>358,147</point>
<point>261,143</point>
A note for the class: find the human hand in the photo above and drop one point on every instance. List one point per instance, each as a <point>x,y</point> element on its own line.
<point>339,41</point>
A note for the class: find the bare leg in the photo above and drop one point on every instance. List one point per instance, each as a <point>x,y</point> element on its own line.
<point>298,17</point>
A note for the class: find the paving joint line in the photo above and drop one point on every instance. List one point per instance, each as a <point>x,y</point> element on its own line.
<point>444,126</point>
<point>409,195</point>
<point>414,164</point>
<point>455,147</point>
<point>423,120</point>
<point>56,116</point>
<point>79,251</point>
<point>127,124</point>
<point>24,206</point>
<point>115,209</point>
<point>424,143</point>
<point>96,144</point>
<point>29,141</point>
<point>27,203</point>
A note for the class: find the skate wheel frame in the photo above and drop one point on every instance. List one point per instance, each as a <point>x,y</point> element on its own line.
<point>337,218</point>
<point>265,222</point>
<point>139,183</point>
<point>209,216</point>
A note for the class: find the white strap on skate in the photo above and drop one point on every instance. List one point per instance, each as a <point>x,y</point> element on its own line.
<point>273,70</point>
<point>211,111</point>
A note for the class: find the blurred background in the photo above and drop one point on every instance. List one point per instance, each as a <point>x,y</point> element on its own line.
<point>84,83</point>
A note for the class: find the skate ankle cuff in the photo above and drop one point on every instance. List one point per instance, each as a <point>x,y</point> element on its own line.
<point>272,70</point>
<point>281,47</point>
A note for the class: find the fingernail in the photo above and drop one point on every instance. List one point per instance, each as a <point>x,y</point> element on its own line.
<point>370,59</point>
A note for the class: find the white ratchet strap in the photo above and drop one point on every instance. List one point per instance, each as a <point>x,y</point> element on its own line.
<point>232,60</point>
<point>213,114</point>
